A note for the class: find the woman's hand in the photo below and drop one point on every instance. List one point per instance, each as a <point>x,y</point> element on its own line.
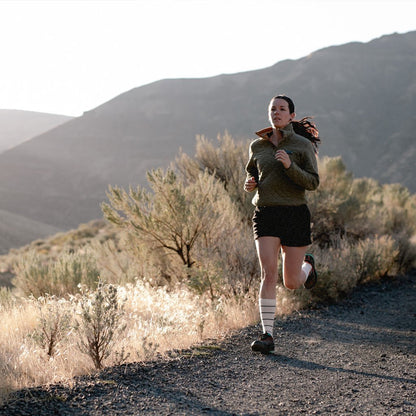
<point>250,184</point>
<point>283,157</point>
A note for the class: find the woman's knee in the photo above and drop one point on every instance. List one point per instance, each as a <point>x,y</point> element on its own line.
<point>292,282</point>
<point>292,285</point>
<point>269,275</point>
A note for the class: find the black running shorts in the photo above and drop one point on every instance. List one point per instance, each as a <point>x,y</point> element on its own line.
<point>292,224</point>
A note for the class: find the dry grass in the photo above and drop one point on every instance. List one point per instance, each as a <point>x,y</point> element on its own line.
<point>23,363</point>
<point>157,320</point>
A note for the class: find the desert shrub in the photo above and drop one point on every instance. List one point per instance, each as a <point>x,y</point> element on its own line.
<point>398,210</point>
<point>173,217</point>
<point>334,207</point>
<point>227,266</point>
<point>115,264</point>
<point>344,208</point>
<point>226,162</point>
<point>374,258</point>
<point>37,276</point>
<point>99,322</point>
<point>406,256</point>
<point>177,217</point>
<point>55,316</point>
<point>343,267</point>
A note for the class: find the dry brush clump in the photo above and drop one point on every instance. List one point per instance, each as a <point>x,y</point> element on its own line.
<point>37,276</point>
<point>99,322</point>
<point>54,323</point>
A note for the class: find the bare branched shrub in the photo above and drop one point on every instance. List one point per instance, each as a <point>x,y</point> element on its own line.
<point>175,216</point>
<point>99,323</point>
<point>55,316</point>
<point>37,276</point>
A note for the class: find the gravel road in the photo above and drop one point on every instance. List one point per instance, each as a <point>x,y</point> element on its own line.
<point>354,358</point>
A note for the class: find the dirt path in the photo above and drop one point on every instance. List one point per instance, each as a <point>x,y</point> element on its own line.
<point>354,358</point>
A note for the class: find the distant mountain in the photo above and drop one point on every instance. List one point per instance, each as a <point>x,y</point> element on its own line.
<point>362,95</point>
<point>17,126</point>
<point>16,231</point>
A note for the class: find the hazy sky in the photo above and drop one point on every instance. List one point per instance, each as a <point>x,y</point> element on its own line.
<point>66,57</point>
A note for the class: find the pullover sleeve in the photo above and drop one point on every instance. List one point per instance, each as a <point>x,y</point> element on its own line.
<point>251,167</point>
<point>306,176</point>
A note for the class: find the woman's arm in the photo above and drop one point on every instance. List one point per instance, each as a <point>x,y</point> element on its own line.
<point>306,176</point>
<point>252,172</point>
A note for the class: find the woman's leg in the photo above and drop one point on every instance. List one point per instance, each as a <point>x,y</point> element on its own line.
<point>295,271</point>
<point>268,253</point>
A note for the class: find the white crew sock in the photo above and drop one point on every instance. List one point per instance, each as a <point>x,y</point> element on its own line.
<point>306,268</point>
<point>267,312</point>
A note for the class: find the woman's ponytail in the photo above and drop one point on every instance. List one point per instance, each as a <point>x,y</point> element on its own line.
<point>308,129</point>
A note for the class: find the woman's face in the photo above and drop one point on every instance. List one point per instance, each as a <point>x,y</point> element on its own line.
<point>279,114</point>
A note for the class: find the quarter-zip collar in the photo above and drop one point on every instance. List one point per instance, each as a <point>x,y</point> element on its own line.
<point>286,131</point>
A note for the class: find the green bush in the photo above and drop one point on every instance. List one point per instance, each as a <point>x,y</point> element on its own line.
<point>37,276</point>
<point>225,163</point>
<point>179,218</point>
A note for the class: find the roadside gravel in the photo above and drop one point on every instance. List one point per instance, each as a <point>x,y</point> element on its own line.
<point>354,358</point>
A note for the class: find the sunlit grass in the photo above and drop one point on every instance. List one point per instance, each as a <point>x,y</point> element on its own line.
<point>157,320</point>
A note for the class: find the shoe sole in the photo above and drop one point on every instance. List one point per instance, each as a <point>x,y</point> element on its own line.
<point>256,348</point>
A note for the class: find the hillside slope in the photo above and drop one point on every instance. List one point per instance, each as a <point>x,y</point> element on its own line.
<point>16,231</point>
<point>17,126</point>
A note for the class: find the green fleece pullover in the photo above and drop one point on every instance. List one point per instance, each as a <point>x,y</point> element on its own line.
<point>277,185</point>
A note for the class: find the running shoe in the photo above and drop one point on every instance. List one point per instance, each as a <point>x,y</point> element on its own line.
<point>313,275</point>
<point>264,345</point>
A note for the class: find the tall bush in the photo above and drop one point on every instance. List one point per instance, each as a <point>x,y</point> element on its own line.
<point>225,162</point>
<point>175,217</point>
